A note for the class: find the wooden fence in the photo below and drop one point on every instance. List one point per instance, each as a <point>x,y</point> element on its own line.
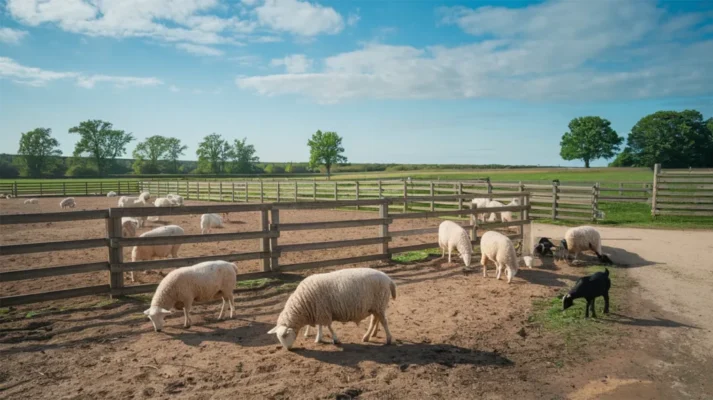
<point>268,236</point>
<point>32,188</point>
<point>682,192</point>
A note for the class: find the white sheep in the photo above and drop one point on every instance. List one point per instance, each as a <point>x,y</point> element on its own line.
<point>497,248</point>
<point>134,202</point>
<point>68,202</point>
<point>206,281</point>
<point>145,196</point>
<point>175,198</point>
<point>149,252</point>
<point>583,238</point>
<point>129,225</point>
<point>31,201</point>
<point>347,295</point>
<point>124,201</point>
<point>480,203</point>
<point>453,236</point>
<point>494,217</point>
<point>209,221</point>
<point>111,194</point>
<point>506,216</point>
<point>162,202</point>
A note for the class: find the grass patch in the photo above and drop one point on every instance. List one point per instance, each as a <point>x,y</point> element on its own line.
<point>4,310</point>
<point>256,283</point>
<point>142,298</point>
<point>415,256</point>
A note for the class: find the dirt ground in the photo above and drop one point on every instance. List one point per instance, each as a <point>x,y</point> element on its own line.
<point>457,335</point>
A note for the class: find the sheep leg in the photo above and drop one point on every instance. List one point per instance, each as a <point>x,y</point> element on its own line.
<point>335,339</point>
<point>306,331</point>
<point>586,308</point>
<point>222,308</point>
<point>186,318</point>
<point>594,313</point>
<point>449,254</point>
<point>498,270</point>
<point>131,273</point>
<point>508,272</point>
<point>443,251</point>
<point>606,303</point>
<point>231,303</point>
<point>369,330</point>
<point>484,262</point>
<point>318,339</point>
<point>382,318</point>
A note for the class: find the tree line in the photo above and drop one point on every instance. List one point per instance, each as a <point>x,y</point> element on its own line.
<point>675,139</point>
<point>100,145</point>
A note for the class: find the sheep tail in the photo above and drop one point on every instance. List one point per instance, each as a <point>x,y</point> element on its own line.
<point>235,266</point>
<point>392,287</point>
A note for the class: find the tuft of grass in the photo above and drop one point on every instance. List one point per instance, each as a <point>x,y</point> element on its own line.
<point>4,310</point>
<point>415,256</point>
<point>143,298</point>
<point>256,283</point>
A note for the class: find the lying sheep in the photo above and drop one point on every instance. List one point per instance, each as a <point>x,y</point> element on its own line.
<point>31,201</point>
<point>343,296</point>
<point>141,253</point>
<point>209,221</point>
<point>111,194</point>
<point>590,287</point>
<point>206,281</point>
<point>68,202</point>
<point>497,248</point>
<point>129,226</point>
<point>582,238</point>
<point>450,236</point>
<point>175,199</point>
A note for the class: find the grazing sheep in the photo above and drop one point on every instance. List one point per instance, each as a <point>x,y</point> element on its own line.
<point>129,226</point>
<point>141,253</point>
<point>68,202</point>
<point>583,238</point>
<point>450,236</point>
<point>544,247</point>
<point>209,221</point>
<point>347,295</point>
<point>497,248</point>
<point>590,287</point>
<point>111,194</point>
<point>31,201</point>
<point>206,281</point>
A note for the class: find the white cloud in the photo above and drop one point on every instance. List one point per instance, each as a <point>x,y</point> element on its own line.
<point>294,64</point>
<point>11,36</point>
<point>248,60</point>
<point>174,89</point>
<point>353,18</point>
<point>200,50</point>
<point>554,51</point>
<point>299,17</point>
<point>9,69</point>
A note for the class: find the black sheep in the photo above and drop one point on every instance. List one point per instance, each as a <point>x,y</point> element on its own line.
<point>590,287</point>
<point>544,247</point>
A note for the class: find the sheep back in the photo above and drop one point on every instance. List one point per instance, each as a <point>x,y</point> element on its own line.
<point>497,247</point>
<point>162,251</point>
<point>451,235</point>
<point>204,281</point>
<point>583,238</point>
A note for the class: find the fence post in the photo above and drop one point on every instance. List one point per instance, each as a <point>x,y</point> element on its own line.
<point>380,188</point>
<point>595,201</point>
<point>336,191</point>
<point>262,193</point>
<point>554,199</point>
<point>41,188</point>
<point>356,187</point>
<point>314,190</point>
<point>384,227</point>
<point>14,189</point>
<point>296,191</point>
<point>116,254</point>
<point>655,189</point>
<point>274,227</point>
<point>247,192</point>
<point>220,191</point>
<point>490,190</point>
<point>460,192</point>
<point>64,189</point>
<point>433,204</point>
<point>621,186</point>
<point>198,189</point>
<point>265,242</point>
<point>86,188</point>
<point>526,229</point>
<point>474,222</point>
<point>278,192</point>
<point>405,196</point>
<point>101,188</point>
<point>232,191</point>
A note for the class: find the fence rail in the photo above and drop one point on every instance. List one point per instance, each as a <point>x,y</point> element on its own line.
<point>71,188</point>
<point>682,192</point>
<point>271,250</point>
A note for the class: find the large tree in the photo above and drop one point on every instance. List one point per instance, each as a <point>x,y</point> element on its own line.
<point>174,150</point>
<point>243,156</point>
<point>148,153</point>
<point>37,149</point>
<point>675,139</point>
<point>588,139</point>
<point>101,141</point>
<point>325,148</point>
<point>212,153</point>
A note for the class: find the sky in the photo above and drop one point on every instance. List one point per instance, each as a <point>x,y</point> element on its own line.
<point>402,81</point>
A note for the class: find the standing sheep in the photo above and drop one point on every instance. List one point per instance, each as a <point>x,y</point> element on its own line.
<point>134,202</point>
<point>347,295</point>
<point>31,201</point>
<point>494,217</point>
<point>590,287</point>
<point>497,248</point>
<point>68,202</point>
<point>583,238</point>
<point>506,216</point>
<point>162,202</point>
<point>205,281</point>
<point>450,236</point>
<point>209,221</point>
<point>480,203</point>
<point>129,226</point>
<point>141,253</point>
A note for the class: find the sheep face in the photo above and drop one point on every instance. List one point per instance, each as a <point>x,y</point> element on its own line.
<point>128,228</point>
<point>285,335</point>
<point>466,259</point>
<point>156,315</point>
<point>567,301</point>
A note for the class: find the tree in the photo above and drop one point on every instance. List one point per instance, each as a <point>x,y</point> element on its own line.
<point>243,156</point>
<point>624,159</point>
<point>148,153</point>
<point>37,149</point>
<point>103,143</point>
<point>588,139</point>
<point>676,139</point>
<point>325,149</point>
<point>212,153</point>
<point>174,150</point>
<point>7,170</point>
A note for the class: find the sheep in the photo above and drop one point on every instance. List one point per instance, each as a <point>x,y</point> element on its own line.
<point>544,246</point>
<point>68,202</point>
<point>347,295</point>
<point>129,226</point>
<point>134,202</point>
<point>226,216</point>
<point>590,287</point>
<point>494,217</point>
<point>206,281</point>
<point>111,194</point>
<point>31,201</point>
<point>176,199</point>
<point>497,248</point>
<point>145,196</point>
<point>506,216</point>
<point>580,239</point>
<point>163,202</point>
<point>126,200</point>
<point>480,203</point>
<point>140,253</point>
<point>209,221</point>
<point>450,236</point>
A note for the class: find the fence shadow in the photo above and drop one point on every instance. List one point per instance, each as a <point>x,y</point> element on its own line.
<point>654,322</point>
<point>545,277</point>
<point>254,334</point>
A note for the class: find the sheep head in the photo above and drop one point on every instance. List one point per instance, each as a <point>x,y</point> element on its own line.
<point>285,335</point>
<point>156,315</point>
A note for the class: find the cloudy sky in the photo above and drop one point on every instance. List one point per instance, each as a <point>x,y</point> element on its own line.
<point>407,81</point>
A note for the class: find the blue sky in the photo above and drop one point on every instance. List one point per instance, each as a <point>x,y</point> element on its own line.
<point>423,81</point>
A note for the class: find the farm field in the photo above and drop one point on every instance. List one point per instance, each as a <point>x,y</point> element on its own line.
<point>457,334</point>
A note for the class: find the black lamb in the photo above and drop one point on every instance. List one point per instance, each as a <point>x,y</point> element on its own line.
<point>590,287</point>
<point>544,247</point>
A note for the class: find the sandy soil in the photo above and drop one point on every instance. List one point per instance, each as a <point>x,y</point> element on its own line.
<point>458,335</point>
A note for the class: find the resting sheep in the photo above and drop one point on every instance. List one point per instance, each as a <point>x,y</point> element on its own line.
<point>497,248</point>
<point>68,202</point>
<point>175,199</point>
<point>31,201</point>
<point>347,295</point>
<point>209,221</point>
<point>450,236</point>
<point>111,194</point>
<point>590,287</point>
<point>583,238</point>
<point>149,252</point>
<point>205,281</point>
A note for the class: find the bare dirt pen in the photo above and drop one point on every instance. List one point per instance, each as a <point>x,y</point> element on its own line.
<point>457,335</point>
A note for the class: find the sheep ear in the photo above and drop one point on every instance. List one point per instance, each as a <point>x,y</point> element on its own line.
<point>147,311</point>
<point>273,330</point>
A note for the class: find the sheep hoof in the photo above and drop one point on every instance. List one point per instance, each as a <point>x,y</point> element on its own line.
<point>336,341</point>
